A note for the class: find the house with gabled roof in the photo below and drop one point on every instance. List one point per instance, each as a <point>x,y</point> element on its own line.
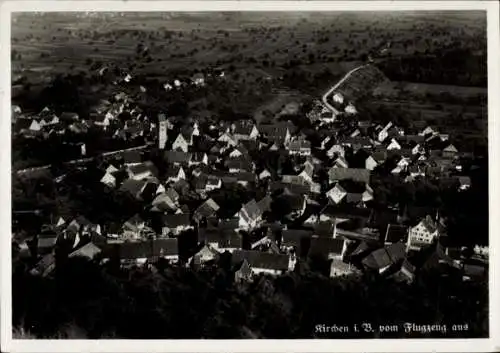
<point>250,215</point>
<point>198,158</point>
<point>245,130</point>
<point>393,145</point>
<point>221,239</point>
<point>370,163</point>
<point>204,256</point>
<point>133,227</point>
<point>238,165</point>
<point>142,171</point>
<point>109,180</point>
<point>251,262</point>
<point>427,131</point>
<point>133,187</point>
<point>174,224</point>
<point>265,174</point>
<point>404,272</point>
<point>340,162</point>
<point>382,134</point>
<point>35,126</point>
<point>206,210</point>
<point>278,133</point>
<point>45,243</point>
<point>294,239</point>
<point>356,143</point>
<point>336,194</point>
<point>464,182</point>
<point>175,173</point>
<point>422,234</point>
<point>89,251</point>
<point>450,151</point>
<point>165,248</point>
<point>396,233</point>
<point>354,174</point>
<point>331,248</point>
<point>228,139</point>
<point>300,146</point>
<point>132,157</point>
<point>381,260</point>
<point>45,266</point>
<point>239,152</point>
<point>164,203</point>
<point>181,143</point>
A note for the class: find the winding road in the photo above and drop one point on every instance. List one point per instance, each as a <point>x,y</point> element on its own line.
<point>334,87</point>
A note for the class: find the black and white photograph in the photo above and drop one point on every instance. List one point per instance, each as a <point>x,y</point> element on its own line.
<point>235,174</point>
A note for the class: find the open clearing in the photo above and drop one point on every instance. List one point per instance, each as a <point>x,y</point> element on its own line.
<point>393,89</point>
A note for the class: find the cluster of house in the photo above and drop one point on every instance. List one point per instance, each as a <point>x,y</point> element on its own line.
<point>327,214</point>
<point>118,119</point>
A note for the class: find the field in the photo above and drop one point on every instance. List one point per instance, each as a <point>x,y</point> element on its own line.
<point>270,58</point>
<point>390,89</point>
<point>53,43</point>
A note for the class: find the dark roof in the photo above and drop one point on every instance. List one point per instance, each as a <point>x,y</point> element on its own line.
<point>176,220</point>
<point>88,250</point>
<point>357,140</point>
<point>251,210</point>
<point>173,171</point>
<point>292,237</point>
<point>46,242</point>
<point>429,224</point>
<point>294,201</point>
<point>360,248</point>
<point>134,221</point>
<point>68,116</point>
<point>356,174</point>
<point>22,123</point>
<point>143,249</point>
<point>243,127</point>
<point>274,132</point>
<point>165,247</point>
<point>238,163</point>
<point>379,156</point>
<point>351,186</point>
<point>411,139</point>
<point>206,209</point>
<point>177,156</point>
<point>396,233</point>
<point>132,250</point>
<point>299,144</point>
<point>265,203</point>
<point>386,256</point>
<point>292,188</point>
<point>247,176</point>
<point>264,260</point>
<point>474,271</point>
<point>324,229</point>
<point>225,238</point>
<point>197,156</point>
<point>342,212</point>
<point>231,223</point>
<point>46,264</point>
<point>132,186</point>
<point>143,167</point>
<point>132,156</point>
<point>326,246</point>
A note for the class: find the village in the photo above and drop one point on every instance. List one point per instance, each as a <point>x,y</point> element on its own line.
<point>297,199</point>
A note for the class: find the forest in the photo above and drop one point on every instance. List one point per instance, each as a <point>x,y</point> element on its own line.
<point>84,300</point>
